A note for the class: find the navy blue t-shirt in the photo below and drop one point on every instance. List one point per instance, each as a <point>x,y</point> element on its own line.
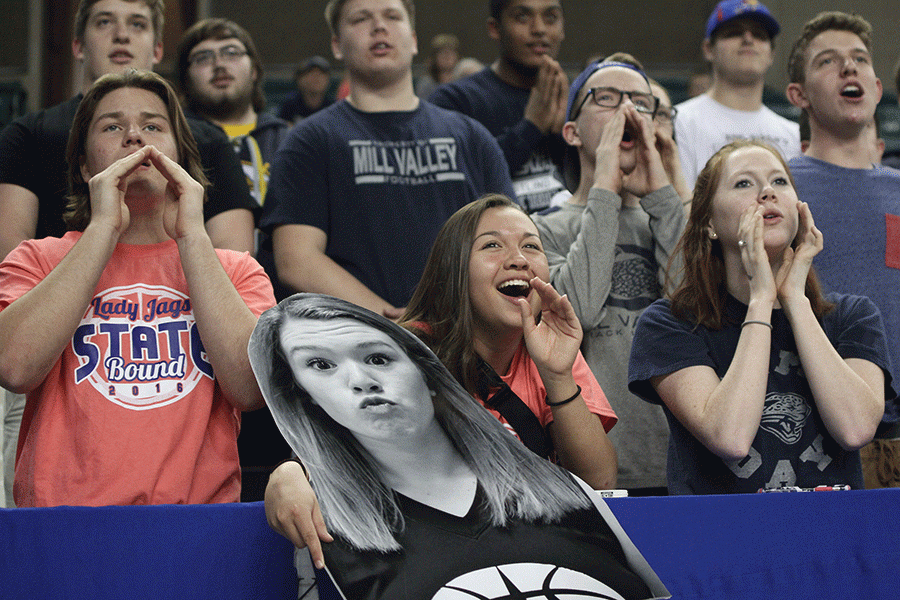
<point>792,446</point>
<point>381,185</point>
<point>535,160</point>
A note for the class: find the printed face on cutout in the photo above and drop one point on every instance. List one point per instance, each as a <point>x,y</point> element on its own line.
<point>375,40</point>
<point>119,35</point>
<point>528,30</point>
<point>506,253</point>
<point>359,376</point>
<point>751,176</point>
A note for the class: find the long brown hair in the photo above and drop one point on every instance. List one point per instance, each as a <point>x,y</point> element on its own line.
<point>441,300</point>
<point>701,296</point>
<point>78,209</point>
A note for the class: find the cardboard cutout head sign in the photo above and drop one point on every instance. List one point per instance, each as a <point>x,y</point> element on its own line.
<point>426,493</point>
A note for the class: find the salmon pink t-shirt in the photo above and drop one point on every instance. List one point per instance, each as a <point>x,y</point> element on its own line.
<point>525,381</point>
<point>131,413</point>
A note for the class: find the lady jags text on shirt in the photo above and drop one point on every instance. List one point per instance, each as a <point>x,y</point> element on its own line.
<point>139,346</point>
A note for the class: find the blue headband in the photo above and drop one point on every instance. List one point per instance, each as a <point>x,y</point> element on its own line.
<point>585,75</point>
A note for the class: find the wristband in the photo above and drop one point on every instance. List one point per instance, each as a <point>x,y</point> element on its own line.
<point>298,461</point>
<point>769,325</point>
<point>566,401</point>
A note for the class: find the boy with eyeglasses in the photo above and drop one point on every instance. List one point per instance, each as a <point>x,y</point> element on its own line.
<point>739,44</point>
<point>220,75</point>
<point>609,243</point>
<point>110,37</point>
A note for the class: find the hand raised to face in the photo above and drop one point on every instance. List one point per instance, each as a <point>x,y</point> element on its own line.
<point>184,198</point>
<point>554,342</point>
<point>794,270</point>
<point>627,159</point>
<point>649,173</point>
<point>546,106</point>
<point>108,188</point>
<point>754,257</point>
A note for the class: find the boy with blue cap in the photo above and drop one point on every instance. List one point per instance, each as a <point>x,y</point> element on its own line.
<point>739,43</point>
<point>609,243</point>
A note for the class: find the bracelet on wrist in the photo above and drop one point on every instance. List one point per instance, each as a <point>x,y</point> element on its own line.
<point>751,321</point>
<point>566,401</point>
<point>294,459</point>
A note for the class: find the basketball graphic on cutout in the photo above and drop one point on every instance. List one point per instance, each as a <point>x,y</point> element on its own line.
<point>531,581</point>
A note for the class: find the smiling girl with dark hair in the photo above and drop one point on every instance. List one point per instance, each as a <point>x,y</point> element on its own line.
<point>508,338</point>
<point>484,307</point>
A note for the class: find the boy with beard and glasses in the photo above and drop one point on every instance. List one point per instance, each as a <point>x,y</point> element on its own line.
<point>220,74</point>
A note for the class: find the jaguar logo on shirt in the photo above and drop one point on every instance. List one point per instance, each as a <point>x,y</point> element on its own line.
<point>634,283</point>
<point>784,416</point>
<point>139,347</point>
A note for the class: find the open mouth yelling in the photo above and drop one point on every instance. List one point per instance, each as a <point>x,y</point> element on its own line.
<point>852,90</point>
<point>514,288</point>
<point>629,137</point>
